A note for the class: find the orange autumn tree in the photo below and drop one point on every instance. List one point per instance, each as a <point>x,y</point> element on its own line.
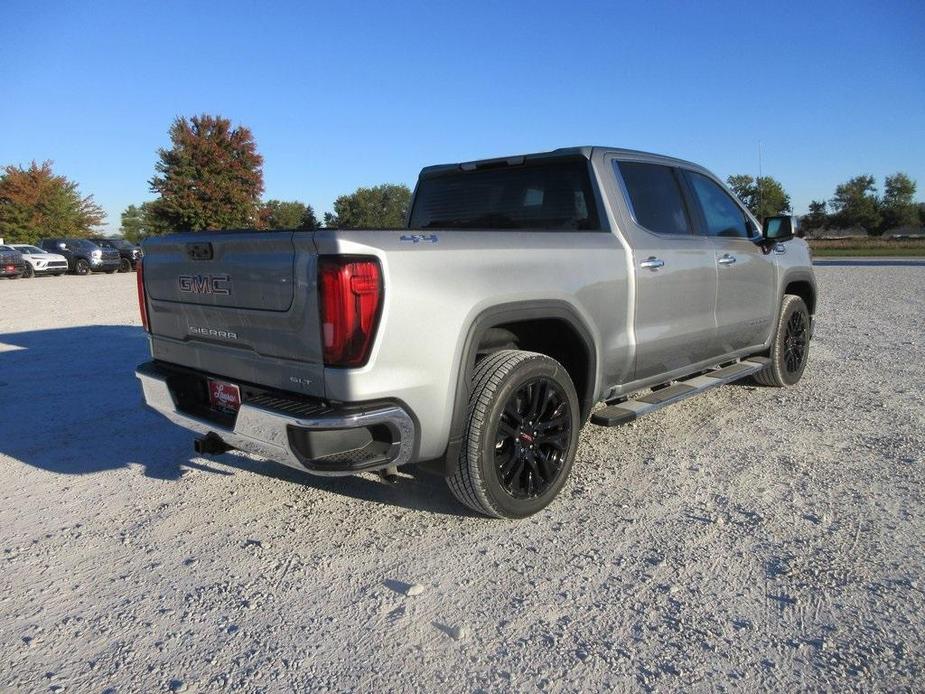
<point>35,202</point>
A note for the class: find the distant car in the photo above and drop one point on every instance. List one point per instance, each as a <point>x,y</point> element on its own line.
<point>129,252</point>
<point>39,262</point>
<point>83,256</point>
<point>12,264</point>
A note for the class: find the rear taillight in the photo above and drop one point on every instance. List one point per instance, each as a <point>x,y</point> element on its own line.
<point>350,298</point>
<point>142,301</point>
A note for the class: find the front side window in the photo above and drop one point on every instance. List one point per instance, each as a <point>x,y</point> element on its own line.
<point>549,195</point>
<point>722,215</point>
<point>655,197</point>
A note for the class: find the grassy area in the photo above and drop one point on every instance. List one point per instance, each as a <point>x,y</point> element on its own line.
<point>866,247</point>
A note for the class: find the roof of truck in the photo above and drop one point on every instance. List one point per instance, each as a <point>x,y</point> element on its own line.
<point>585,151</point>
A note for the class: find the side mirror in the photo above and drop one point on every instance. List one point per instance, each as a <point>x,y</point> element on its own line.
<point>780,228</point>
<point>62,246</point>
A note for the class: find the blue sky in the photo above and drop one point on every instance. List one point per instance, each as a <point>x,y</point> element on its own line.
<point>340,95</point>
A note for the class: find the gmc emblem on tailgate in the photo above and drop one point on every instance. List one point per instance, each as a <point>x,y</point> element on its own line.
<point>205,284</point>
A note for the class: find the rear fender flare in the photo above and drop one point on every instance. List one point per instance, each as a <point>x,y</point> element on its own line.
<point>512,313</point>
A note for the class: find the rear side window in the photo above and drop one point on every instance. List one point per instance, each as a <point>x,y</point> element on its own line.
<point>553,194</point>
<point>655,196</point>
<point>722,215</point>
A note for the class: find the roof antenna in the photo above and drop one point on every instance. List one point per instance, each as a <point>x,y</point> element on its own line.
<point>760,185</point>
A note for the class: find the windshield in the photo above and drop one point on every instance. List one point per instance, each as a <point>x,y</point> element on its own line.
<point>554,194</point>
<point>83,244</point>
<point>29,249</point>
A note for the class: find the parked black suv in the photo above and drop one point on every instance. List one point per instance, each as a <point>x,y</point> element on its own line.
<point>83,256</point>
<point>12,264</point>
<point>130,253</point>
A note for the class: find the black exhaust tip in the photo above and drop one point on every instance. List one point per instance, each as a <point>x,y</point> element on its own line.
<point>210,444</point>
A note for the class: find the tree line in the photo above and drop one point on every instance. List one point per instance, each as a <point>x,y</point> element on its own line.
<point>211,177</point>
<point>855,204</point>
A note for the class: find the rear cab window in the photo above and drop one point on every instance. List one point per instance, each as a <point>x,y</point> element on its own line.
<point>654,195</point>
<point>549,194</point>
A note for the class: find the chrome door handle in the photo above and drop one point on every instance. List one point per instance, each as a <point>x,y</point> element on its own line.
<point>652,263</point>
<point>727,260</point>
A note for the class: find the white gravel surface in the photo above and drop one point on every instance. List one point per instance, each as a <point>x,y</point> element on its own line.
<point>749,539</point>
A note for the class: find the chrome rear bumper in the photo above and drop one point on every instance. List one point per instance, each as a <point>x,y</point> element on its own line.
<point>277,435</point>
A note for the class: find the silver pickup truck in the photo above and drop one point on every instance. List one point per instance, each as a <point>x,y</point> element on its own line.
<point>523,292</point>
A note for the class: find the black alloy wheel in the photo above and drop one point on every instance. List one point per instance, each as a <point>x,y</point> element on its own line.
<point>789,351</point>
<point>532,439</point>
<point>795,343</point>
<point>521,435</point>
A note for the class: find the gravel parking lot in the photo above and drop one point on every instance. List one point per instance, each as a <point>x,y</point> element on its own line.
<point>751,538</point>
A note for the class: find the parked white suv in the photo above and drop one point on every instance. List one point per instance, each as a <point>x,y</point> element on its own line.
<point>39,262</point>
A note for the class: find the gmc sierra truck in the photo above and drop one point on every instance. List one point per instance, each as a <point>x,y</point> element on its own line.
<point>523,292</point>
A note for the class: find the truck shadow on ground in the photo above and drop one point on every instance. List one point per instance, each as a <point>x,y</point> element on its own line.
<point>70,404</point>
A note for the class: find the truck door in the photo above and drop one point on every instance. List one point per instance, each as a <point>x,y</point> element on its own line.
<point>746,295</point>
<point>674,268</point>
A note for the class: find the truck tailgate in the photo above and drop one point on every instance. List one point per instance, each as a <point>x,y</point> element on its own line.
<point>237,304</point>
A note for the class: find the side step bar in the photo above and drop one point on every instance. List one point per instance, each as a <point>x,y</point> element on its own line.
<point>629,410</point>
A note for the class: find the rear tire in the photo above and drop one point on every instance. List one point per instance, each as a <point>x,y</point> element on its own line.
<point>790,348</point>
<point>521,435</point>
<point>28,272</point>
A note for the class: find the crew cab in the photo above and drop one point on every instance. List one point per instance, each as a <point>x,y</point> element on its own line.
<point>129,253</point>
<point>525,297</point>
<point>83,256</point>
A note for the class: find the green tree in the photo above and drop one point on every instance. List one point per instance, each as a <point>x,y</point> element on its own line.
<point>763,196</point>
<point>210,178</point>
<point>139,222</point>
<point>380,207</point>
<point>817,218</point>
<point>36,202</point>
<point>856,205</point>
<point>277,214</point>
<point>897,205</point>
<point>132,227</point>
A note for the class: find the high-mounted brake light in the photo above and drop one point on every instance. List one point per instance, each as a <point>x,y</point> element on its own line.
<point>142,300</point>
<point>350,298</point>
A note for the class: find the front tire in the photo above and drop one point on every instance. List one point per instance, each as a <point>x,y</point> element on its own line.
<point>790,348</point>
<point>125,265</point>
<point>81,267</point>
<point>521,435</point>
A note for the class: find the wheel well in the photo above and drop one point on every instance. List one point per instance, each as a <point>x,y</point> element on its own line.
<point>805,291</point>
<point>553,337</point>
